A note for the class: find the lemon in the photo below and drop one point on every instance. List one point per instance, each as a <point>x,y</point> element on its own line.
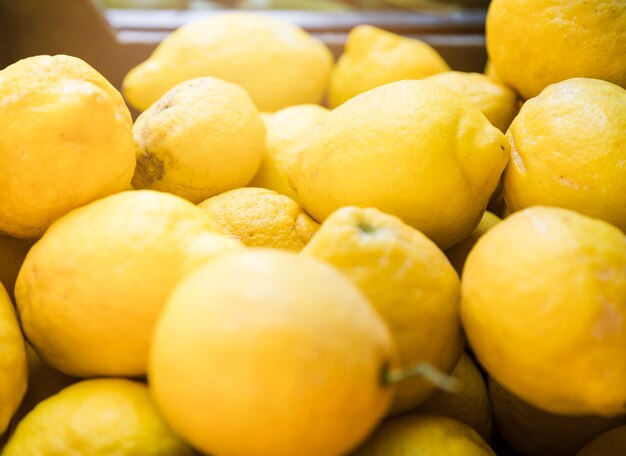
<point>202,138</point>
<point>373,57</point>
<point>98,418</point>
<point>469,405</point>
<point>261,218</point>
<point>287,133</point>
<point>276,62</point>
<point>13,370</point>
<point>91,289</point>
<point>608,444</point>
<point>567,149</point>
<point>424,435</point>
<point>263,352</point>
<point>535,432</point>
<point>65,140</point>
<point>542,306</point>
<point>457,254</point>
<point>535,43</point>
<point>491,73</point>
<point>413,149</point>
<point>497,102</point>
<point>12,254</point>
<point>408,280</point>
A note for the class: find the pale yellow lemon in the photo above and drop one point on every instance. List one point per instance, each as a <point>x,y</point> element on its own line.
<point>268,353</point>
<point>65,140</point>
<point>408,280</point>
<point>276,62</point>
<point>413,149</point>
<point>542,306</point>
<point>91,289</point>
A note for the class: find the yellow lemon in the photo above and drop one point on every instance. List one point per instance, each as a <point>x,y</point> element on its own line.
<point>535,43</point>
<point>201,138</point>
<point>261,218</point>
<point>65,140</point>
<point>373,57</point>
<point>91,289</point>
<point>457,254</point>
<point>413,149</point>
<point>567,150</point>
<point>491,73</point>
<point>424,435</point>
<point>542,305</point>
<point>469,405</point>
<point>264,352</point>
<point>610,443</point>
<point>287,133</point>
<point>13,370</point>
<point>408,280</point>
<point>537,433</point>
<point>12,254</point>
<point>97,418</point>
<point>497,102</point>
<point>278,63</point>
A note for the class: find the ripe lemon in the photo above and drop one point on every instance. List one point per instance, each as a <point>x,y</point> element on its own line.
<point>12,254</point>
<point>96,417</point>
<point>457,254</point>
<point>202,138</point>
<point>535,432</point>
<point>497,102</point>
<point>408,280</point>
<point>543,297</point>
<point>287,133</point>
<point>65,140</point>
<point>567,150</point>
<point>424,435</point>
<point>491,73</point>
<point>608,444</point>
<point>276,62</point>
<point>261,218</point>
<point>413,149</point>
<point>469,405</point>
<point>264,352</point>
<point>535,43</point>
<point>373,57</point>
<point>91,289</point>
<point>13,370</point>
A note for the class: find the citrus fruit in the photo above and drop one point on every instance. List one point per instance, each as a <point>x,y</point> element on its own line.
<point>413,149</point>
<point>65,140</point>
<point>457,254</point>
<point>567,150</point>
<point>12,254</point>
<point>276,62</point>
<point>265,336</point>
<point>424,435</point>
<point>96,417</point>
<point>542,306</point>
<point>202,138</point>
<point>608,444</point>
<point>373,57</point>
<point>91,289</point>
<point>259,217</point>
<point>287,133</point>
<point>535,43</point>
<point>497,102</point>
<point>408,280</point>
<point>491,73</point>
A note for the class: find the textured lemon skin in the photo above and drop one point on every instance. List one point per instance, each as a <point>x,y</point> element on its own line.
<point>567,150</point>
<point>276,62</point>
<point>408,280</point>
<point>91,289</point>
<point>96,417</point>
<point>374,57</point>
<point>65,140</point>
<point>271,337</point>
<point>535,43</point>
<point>568,272</point>
<point>404,148</point>
<point>202,138</point>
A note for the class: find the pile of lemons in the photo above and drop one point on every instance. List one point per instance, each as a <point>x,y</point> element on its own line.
<point>284,255</point>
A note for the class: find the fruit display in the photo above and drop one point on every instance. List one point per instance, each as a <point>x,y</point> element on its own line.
<point>284,253</point>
